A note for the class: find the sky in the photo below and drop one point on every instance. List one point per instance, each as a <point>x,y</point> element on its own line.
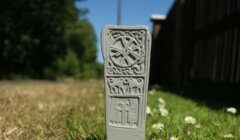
<point>134,12</point>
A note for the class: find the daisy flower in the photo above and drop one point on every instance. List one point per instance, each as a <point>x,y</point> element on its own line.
<point>149,111</point>
<point>163,111</point>
<point>189,120</point>
<point>173,138</point>
<point>228,136</point>
<point>151,92</point>
<point>161,103</point>
<point>232,110</point>
<point>158,127</point>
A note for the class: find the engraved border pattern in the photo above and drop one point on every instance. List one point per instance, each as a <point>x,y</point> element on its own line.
<point>129,57</point>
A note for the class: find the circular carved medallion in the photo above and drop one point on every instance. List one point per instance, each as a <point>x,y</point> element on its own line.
<point>125,51</point>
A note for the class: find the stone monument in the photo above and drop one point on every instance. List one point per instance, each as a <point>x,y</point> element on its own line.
<point>126,52</point>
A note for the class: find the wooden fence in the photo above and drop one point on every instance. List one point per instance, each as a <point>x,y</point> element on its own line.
<point>199,42</point>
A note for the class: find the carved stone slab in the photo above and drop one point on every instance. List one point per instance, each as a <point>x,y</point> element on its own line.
<point>126,52</point>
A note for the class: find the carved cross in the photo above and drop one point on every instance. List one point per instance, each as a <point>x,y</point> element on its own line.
<point>126,52</point>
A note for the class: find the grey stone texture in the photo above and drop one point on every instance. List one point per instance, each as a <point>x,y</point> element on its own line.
<point>126,53</point>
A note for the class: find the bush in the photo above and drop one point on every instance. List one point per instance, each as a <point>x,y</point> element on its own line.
<point>68,66</point>
<point>94,70</point>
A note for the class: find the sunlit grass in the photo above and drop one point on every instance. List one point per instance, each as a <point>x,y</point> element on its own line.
<point>210,124</point>
<point>46,110</point>
<point>75,110</point>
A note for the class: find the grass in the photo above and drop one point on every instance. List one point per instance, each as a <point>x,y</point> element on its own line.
<point>52,110</point>
<point>75,110</point>
<point>210,124</point>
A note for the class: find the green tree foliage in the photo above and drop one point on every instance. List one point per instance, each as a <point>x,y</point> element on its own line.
<point>80,38</point>
<point>63,67</point>
<point>39,35</point>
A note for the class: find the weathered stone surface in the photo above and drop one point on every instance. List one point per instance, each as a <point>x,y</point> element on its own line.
<point>126,51</point>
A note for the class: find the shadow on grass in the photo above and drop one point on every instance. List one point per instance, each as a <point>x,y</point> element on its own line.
<point>215,97</point>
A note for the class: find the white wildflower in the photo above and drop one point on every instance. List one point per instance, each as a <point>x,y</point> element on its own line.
<point>151,92</point>
<point>173,138</point>
<point>232,110</point>
<point>163,111</point>
<point>188,133</point>
<point>161,103</point>
<point>149,111</point>
<point>158,127</point>
<point>198,126</point>
<point>228,136</point>
<point>189,120</point>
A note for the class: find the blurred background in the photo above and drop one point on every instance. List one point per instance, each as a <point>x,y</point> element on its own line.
<point>58,39</point>
<point>195,42</point>
<point>196,49</point>
<point>51,67</point>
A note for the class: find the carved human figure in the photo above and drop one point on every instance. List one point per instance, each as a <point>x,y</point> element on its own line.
<point>116,112</point>
<point>126,85</point>
<point>132,112</point>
